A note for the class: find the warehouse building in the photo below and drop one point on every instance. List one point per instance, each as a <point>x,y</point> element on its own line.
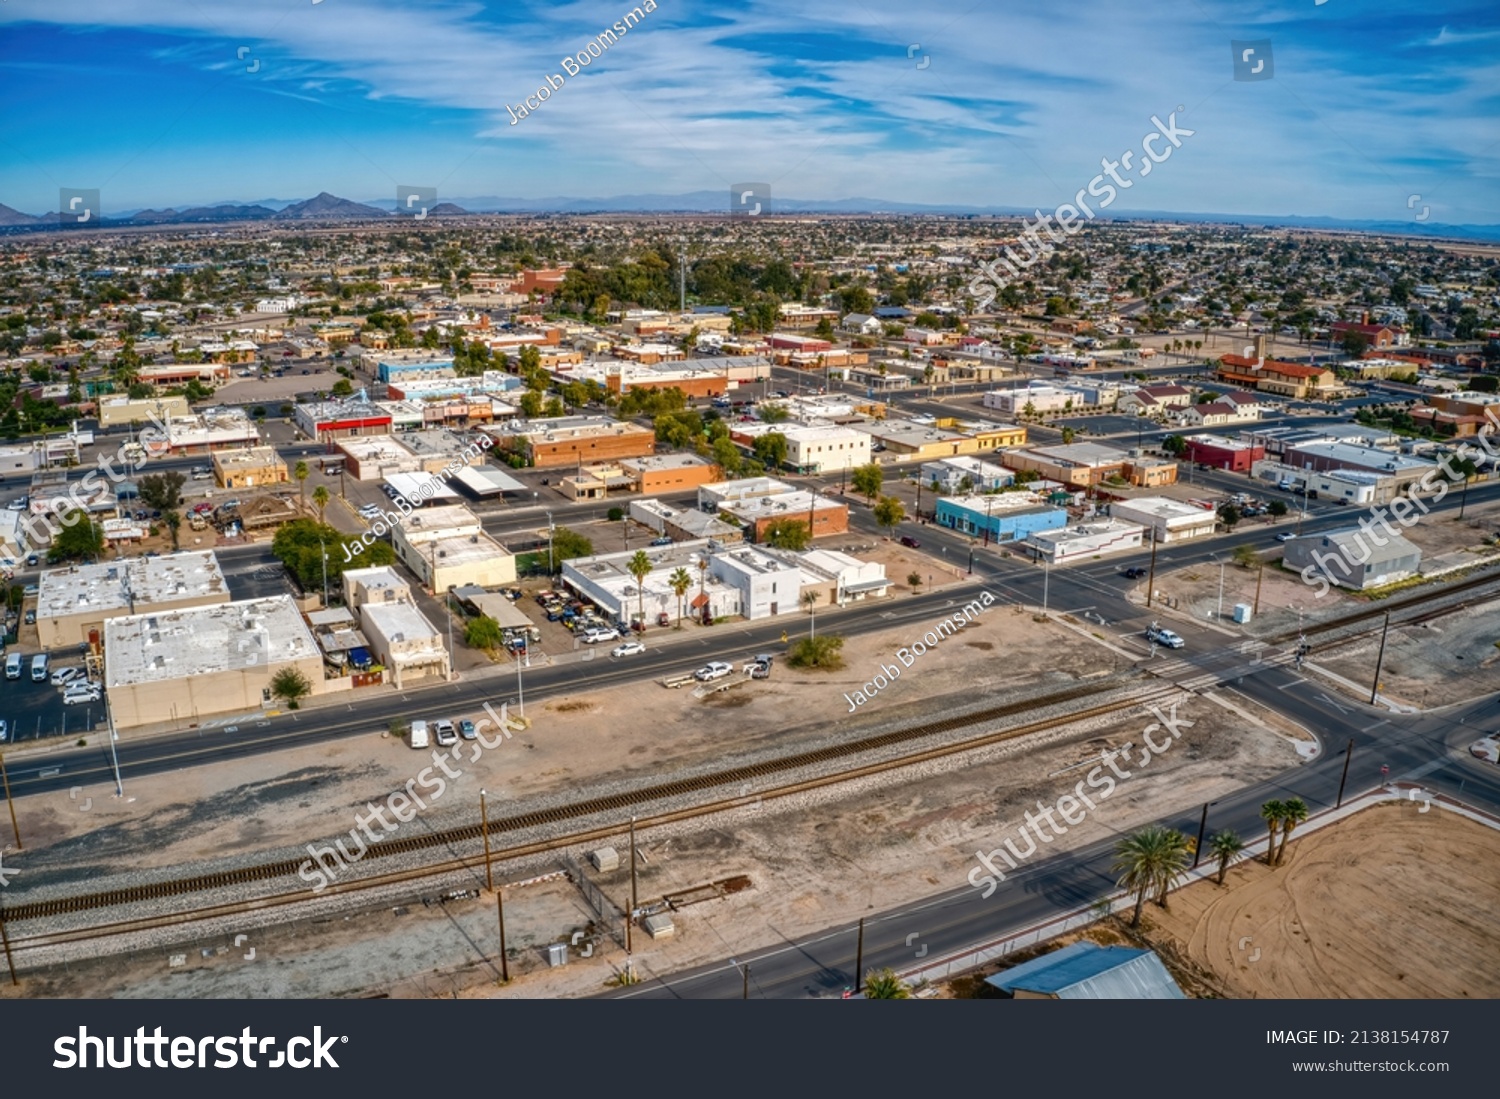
<point>1166,520</point>
<point>1001,518</point>
<point>1091,539</point>
<point>74,603</point>
<point>1354,558</point>
<point>447,548</point>
<point>190,663</point>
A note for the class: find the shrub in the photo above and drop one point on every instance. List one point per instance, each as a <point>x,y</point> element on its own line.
<point>823,653</point>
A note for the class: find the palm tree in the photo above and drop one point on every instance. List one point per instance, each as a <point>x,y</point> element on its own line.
<point>320,498</point>
<point>883,984</point>
<point>1142,860</point>
<point>680,581</point>
<point>1177,851</point>
<point>1226,847</point>
<point>301,472</point>
<point>1293,813</point>
<point>1271,812</point>
<point>639,567</point>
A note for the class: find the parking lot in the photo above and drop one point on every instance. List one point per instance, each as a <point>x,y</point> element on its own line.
<point>32,711</point>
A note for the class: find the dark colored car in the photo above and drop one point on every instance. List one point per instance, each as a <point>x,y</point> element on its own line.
<point>1135,572</point>
<point>910,542</point>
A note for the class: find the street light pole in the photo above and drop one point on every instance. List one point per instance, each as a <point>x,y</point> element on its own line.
<point>1380,658</point>
<point>1151,574</point>
<point>500,909</point>
<point>1198,846</point>
<point>1219,614</point>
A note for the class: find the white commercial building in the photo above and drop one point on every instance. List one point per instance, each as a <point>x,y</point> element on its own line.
<point>191,663</point>
<point>1092,539</point>
<point>767,584</point>
<point>950,474</point>
<point>1167,520</point>
<point>447,548</point>
<point>814,448</point>
<point>1040,396</point>
<point>404,641</point>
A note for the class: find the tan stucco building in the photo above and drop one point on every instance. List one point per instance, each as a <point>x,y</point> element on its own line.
<point>74,601</point>
<point>250,467</point>
<point>184,665</point>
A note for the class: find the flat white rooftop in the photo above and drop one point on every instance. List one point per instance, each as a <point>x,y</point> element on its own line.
<point>195,641</point>
<point>109,586</point>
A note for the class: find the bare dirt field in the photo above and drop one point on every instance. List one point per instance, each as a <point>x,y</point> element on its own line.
<point>811,861</point>
<point>1392,903</point>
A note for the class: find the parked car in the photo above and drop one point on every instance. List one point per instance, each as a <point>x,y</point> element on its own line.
<point>446,734</point>
<point>628,648</point>
<point>81,693</point>
<point>64,676</point>
<point>663,541</point>
<point>1159,635</point>
<point>909,542</point>
<point>4,731</point>
<point>467,731</point>
<point>596,634</point>
<point>31,618</point>
<point>417,734</point>
<point>716,669</point>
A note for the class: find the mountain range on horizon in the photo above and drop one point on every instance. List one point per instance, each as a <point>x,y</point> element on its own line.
<point>326,207</point>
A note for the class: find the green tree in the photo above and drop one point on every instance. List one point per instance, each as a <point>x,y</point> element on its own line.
<point>1271,812</point>
<point>1225,847</point>
<point>773,413</point>
<point>1293,813</point>
<point>173,519</point>
<point>567,545</point>
<point>1174,445</point>
<point>867,480</point>
<point>291,686</point>
<point>320,500</point>
<point>1246,556</point>
<point>824,653</point>
<point>80,542</point>
<point>1229,515</point>
<point>883,984</point>
<point>301,472</point>
<point>1067,435</point>
<point>727,456</point>
<point>680,581</point>
<point>889,513</point>
<point>301,544</point>
<point>771,449</point>
<point>787,534</point>
<point>639,567</point>
<point>483,633</point>
<point>162,490</point>
<point>914,581</point>
<point>1276,508</point>
<point>342,388</point>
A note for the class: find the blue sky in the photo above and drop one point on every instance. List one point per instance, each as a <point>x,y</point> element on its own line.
<point>152,101</point>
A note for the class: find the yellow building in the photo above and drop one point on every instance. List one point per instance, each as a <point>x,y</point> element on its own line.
<point>249,468</point>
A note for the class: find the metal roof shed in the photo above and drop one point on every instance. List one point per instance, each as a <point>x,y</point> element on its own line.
<point>1086,971</point>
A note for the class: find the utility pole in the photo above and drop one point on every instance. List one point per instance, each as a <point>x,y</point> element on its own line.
<point>10,963</point>
<point>633,902</point>
<point>745,988</point>
<point>1259,576</point>
<point>9,803</point>
<point>1380,658</point>
<point>500,908</point>
<point>484,828</point>
<point>1463,498</point>
<point>1198,846</point>
<point>1219,614</point>
<point>859,957</point>
<point>1348,755</point>
<point>1151,574</point>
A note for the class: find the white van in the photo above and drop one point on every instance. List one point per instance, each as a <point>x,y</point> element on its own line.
<point>13,666</point>
<point>39,668</point>
<point>419,734</point>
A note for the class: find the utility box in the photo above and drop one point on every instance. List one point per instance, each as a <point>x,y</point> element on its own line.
<point>659,926</point>
<point>1242,613</point>
<point>605,859</point>
<point>557,954</point>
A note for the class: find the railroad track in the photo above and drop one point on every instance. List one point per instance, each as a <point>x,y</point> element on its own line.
<point>1394,607</point>
<point>737,776</point>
